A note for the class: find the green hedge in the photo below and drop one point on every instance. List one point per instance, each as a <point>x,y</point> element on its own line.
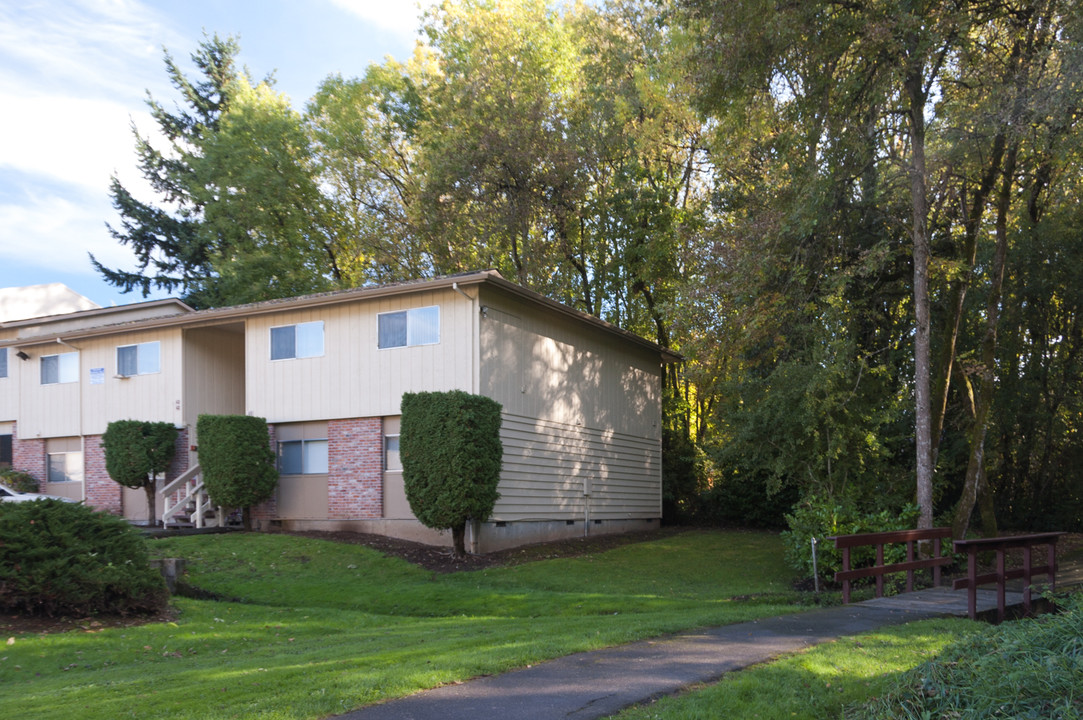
<point>59,558</point>
<point>238,464</point>
<point>451,455</point>
<point>19,481</point>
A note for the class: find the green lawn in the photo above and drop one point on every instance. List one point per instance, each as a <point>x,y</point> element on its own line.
<point>322,628</point>
<point>817,684</point>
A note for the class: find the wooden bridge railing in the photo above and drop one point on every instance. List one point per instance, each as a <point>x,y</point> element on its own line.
<point>1000,545</point>
<point>879,540</point>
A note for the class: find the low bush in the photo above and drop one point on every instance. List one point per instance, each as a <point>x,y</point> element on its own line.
<point>59,558</point>
<point>744,501</point>
<point>238,465</point>
<point>1026,669</point>
<point>19,481</point>
<point>815,517</point>
<point>451,455</point>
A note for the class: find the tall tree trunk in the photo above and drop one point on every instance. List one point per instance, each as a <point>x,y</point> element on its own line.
<point>975,470</point>
<point>973,212</point>
<point>916,96</point>
<point>151,489</point>
<point>458,538</point>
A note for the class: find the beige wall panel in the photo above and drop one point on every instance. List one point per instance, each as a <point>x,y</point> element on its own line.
<point>302,497</point>
<point>213,373</point>
<point>354,378</point>
<point>9,387</point>
<point>154,397</point>
<point>396,506</point>
<point>537,364</point>
<point>565,472</point>
<point>47,410</point>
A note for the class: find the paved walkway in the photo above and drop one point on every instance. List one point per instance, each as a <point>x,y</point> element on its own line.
<point>598,684</point>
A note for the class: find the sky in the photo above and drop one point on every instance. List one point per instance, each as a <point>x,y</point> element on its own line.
<point>74,77</point>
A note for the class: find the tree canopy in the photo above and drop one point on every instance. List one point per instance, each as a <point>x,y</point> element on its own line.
<point>858,222</point>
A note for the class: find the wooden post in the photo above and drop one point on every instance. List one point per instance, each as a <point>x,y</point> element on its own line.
<point>1000,585</point>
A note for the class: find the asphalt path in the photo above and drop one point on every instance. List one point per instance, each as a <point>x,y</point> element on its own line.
<point>600,683</point>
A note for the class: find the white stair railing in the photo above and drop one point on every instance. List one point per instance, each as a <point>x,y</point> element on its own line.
<point>191,498</point>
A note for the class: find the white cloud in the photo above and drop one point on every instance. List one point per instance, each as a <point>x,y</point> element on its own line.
<point>73,76</point>
<point>401,17</point>
<point>55,231</point>
<point>86,47</point>
<point>71,140</point>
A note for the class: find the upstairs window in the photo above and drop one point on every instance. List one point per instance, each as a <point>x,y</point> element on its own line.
<point>141,359</point>
<point>62,368</point>
<point>3,362</point>
<point>297,341</point>
<point>420,326</point>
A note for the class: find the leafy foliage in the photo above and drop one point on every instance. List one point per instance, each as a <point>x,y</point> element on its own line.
<point>817,518</point>
<point>136,452</point>
<point>451,454</point>
<point>858,222</point>
<point>18,481</point>
<point>59,558</point>
<point>238,464</point>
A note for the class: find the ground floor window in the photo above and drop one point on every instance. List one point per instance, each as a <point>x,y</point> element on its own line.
<point>6,451</point>
<point>302,448</point>
<point>392,458</point>
<point>64,459</point>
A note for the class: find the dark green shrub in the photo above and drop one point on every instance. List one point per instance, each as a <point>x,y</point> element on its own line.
<point>451,454</point>
<point>59,558</point>
<point>744,501</point>
<point>18,480</point>
<point>238,464</point>
<point>136,452</point>
<point>815,517</point>
<point>680,477</point>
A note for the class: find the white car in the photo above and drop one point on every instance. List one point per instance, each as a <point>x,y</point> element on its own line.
<point>9,495</point>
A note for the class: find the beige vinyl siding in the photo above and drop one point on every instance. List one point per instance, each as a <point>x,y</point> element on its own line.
<point>81,408</point>
<point>559,472</point>
<point>354,378</point>
<point>47,410</point>
<point>9,387</point>
<point>582,416</point>
<point>213,372</point>
<point>154,397</point>
<point>540,365</point>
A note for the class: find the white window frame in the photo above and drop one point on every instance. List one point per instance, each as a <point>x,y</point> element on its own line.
<point>67,368</point>
<point>3,362</point>
<point>297,330</point>
<point>70,472</point>
<point>143,356</point>
<point>307,456</point>
<point>388,466</point>
<point>412,316</point>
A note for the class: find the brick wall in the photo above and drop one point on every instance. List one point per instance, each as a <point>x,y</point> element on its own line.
<point>180,456</point>
<point>355,472</point>
<point>28,455</point>
<point>102,492</point>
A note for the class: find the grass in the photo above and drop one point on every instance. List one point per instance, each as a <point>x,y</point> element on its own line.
<point>319,628</point>
<point>817,684</point>
<point>1027,669</point>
